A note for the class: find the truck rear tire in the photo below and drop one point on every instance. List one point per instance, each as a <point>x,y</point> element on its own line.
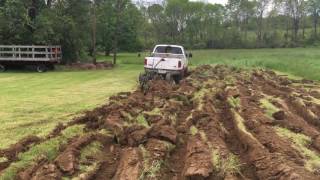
<point>41,68</point>
<point>2,68</point>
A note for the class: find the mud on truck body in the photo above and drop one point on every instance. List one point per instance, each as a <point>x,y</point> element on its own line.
<point>40,57</point>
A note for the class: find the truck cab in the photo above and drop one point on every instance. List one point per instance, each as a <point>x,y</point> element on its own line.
<point>168,60</point>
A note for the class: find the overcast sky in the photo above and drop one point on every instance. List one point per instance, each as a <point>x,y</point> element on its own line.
<point>218,1</point>
<point>211,1</point>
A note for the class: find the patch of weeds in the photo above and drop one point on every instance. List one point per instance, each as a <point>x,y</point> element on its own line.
<point>169,145</point>
<point>126,115</point>
<point>48,148</point>
<point>154,112</point>
<point>301,143</point>
<point>240,125</point>
<point>87,171</point>
<point>229,165</point>
<point>173,118</point>
<point>198,97</point>
<point>216,160</point>
<point>203,136</point>
<point>234,102</point>
<point>150,169</point>
<point>105,132</point>
<point>269,107</point>
<point>182,98</point>
<point>194,130</point>
<point>3,159</point>
<point>230,80</point>
<point>92,149</point>
<point>141,120</point>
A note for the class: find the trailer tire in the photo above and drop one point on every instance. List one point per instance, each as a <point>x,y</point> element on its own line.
<point>51,67</point>
<point>2,68</point>
<point>41,68</point>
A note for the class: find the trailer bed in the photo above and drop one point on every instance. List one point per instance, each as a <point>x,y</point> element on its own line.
<point>42,57</point>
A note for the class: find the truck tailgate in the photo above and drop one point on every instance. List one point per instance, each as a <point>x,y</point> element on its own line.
<point>163,63</point>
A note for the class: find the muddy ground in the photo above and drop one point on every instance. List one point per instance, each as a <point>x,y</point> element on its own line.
<point>218,123</point>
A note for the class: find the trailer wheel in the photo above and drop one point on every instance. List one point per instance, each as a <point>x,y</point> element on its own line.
<point>2,68</point>
<point>50,67</point>
<point>41,68</point>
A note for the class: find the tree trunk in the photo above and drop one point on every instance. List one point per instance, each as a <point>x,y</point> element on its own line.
<point>49,3</point>
<point>107,52</point>
<point>116,33</point>
<point>315,23</point>
<point>259,29</point>
<point>295,29</point>
<point>94,33</point>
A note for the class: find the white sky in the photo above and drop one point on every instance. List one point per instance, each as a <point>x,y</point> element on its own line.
<point>218,1</point>
<point>210,1</point>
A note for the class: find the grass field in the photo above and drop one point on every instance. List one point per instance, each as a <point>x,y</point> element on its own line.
<point>32,103</point>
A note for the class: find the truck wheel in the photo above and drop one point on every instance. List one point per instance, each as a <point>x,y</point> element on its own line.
<point>41,68</point>
<point>2,68</point>
<point>177,78</point>
<point>169,78</point>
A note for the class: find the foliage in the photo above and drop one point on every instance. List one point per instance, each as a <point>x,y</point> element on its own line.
<point>67,23</point>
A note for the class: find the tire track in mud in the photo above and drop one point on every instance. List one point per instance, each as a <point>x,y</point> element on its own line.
<point>210,126</point>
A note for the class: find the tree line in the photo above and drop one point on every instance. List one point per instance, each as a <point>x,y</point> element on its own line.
<point>85,27</point>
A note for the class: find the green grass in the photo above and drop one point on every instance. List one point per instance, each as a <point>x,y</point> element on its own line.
<point>293,61</point>
<point>229,165</point>
<point>234,102</point>
<point>33,103</point>
<point>194,130</point>
<point>303,62</point>
<point>269,107</point>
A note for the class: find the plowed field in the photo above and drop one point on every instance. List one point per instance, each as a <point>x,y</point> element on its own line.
<point>218,123</point>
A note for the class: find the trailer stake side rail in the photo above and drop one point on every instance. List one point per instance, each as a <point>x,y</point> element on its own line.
<point>42,57</point>
<point>30,53</point>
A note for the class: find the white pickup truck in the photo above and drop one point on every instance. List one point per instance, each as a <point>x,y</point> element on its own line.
<point>167,60</point>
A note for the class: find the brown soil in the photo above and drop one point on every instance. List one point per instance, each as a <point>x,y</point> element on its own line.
<point>210,126</point>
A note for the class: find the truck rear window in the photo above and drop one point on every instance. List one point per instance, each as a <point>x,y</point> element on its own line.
<point>168,50</point>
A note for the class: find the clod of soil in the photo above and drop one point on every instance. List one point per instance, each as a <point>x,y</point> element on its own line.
<point>198,164</point>
<point>280,115</point>
<point>22,146</point>
<point>167,133</point>
<point>67,161</point>
<point>130,165</point>
<point>316,142</point>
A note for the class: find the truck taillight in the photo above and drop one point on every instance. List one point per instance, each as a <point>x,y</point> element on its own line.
<point>179,64</point>
<point>145,61</point>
